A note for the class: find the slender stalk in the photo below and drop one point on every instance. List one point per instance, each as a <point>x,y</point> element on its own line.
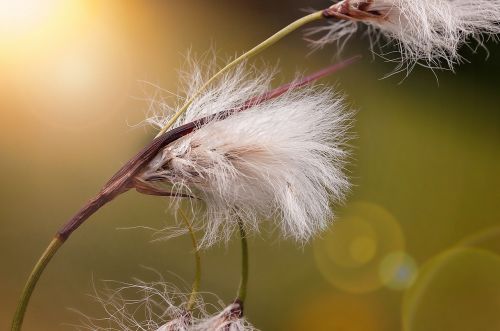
<point>54,245</point>
<point>242,290</point>
<point>254,51</point>
<point>197,259</point>
<point>123,179</point>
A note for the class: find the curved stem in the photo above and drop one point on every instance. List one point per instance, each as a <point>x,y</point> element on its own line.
<point>254,51</point>
<point>197,259</point>
<point>120,181</point>
<point>51,250</point>
<point>242,290</point>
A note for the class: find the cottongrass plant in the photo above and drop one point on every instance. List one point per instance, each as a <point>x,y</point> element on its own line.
<point>282,159</point>
<point>426,32</point>
<point>212,167</point>
<point>139,306</point>
<point>218,171</point>
<point>159,306</point>
<point>229,319</point>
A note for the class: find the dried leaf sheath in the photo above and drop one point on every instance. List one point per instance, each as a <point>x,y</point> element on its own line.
<point>123,179</point>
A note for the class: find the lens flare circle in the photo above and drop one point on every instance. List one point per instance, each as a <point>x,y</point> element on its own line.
<point>363,249</point>
<point>488,239</point>
<point>350,254</point>
<point>398,270</point>
<point>457,290</point>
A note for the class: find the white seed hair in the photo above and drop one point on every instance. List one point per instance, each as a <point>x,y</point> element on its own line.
<point>140,306</point>
<point>282,159</point>
<point>228,319</point>
<point>158,306</point>
<point>426,32</point>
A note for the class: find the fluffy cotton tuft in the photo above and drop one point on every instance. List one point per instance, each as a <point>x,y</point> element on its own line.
<point>427,32</point>
<point>282,159</point>
<point>229,319</point>
<point>141,306</point>
<point>159,306</point>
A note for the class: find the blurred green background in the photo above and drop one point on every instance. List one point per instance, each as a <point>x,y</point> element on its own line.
<point>415,247</point>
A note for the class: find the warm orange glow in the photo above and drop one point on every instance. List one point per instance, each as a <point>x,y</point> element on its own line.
<point>62,60</point>
<point>18,17</point>
<point>340,312</point>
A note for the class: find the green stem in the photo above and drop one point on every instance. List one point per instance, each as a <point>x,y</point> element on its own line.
<point>59,240</point>
<point>51,250</point>
<point>254,51</point>
<point>197,259</point>
<point>242,290</point>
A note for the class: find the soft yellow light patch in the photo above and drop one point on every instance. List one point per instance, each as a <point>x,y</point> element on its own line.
<point>350,254</point>
<point>363,249</point>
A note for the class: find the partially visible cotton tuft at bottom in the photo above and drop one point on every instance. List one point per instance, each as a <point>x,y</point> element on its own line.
<point>159,306</point>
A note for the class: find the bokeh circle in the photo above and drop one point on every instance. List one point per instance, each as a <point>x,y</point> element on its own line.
<point>350,254</point>
<point>457,290</point>
<point>398,270</point>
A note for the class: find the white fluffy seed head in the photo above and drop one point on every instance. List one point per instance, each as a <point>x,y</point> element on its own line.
<point>181,323</point>
<point>282,159</point>
<point>229,319</point>
<point>426,32</point>
<point>141,306</point>
<point>159,306</point>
